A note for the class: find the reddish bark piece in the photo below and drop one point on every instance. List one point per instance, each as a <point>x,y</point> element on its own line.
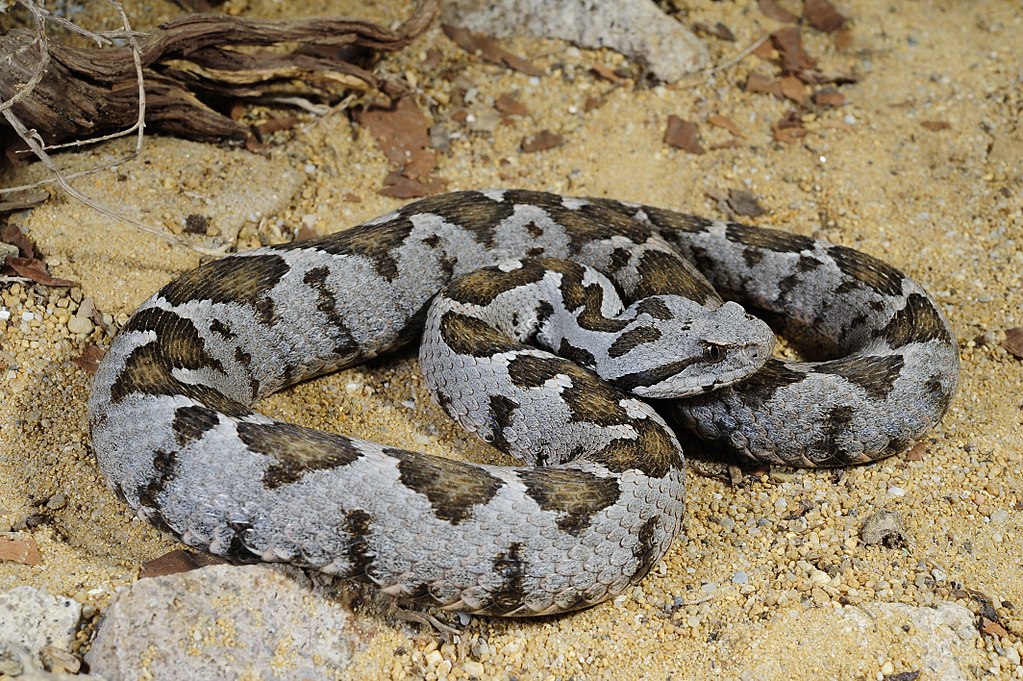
<point>488,49</point>
<point>822,15</point>
<point>772,10</point>
<point>829,98</point>
<point>541,141</point>
<point>794,58</point>
<point>592,103</point>
<point>682,134</point>
<point>757,82</point>
<point>936,125</point>
<point>843,39</point>
<point>176,561</point>
<point>34,269</point>
<point>89,359</point>
<point>726,123</point>
<point>1014,341</point>
<point>24,551</point>
<point>509,104</point>
<point>792,88</point>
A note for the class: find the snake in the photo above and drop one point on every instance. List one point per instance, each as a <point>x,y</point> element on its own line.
<point>583,336</point>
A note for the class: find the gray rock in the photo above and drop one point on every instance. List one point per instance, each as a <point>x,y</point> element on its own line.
<point>35,619</point>
<point>636,28</point>
<point>227,622</point>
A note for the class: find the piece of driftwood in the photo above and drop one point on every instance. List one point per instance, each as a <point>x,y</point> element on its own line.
<point>194,69</point>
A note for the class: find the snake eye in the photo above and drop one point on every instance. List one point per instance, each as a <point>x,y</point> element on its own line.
<point>713,353</point>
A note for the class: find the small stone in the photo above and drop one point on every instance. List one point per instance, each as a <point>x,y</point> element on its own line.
<point>57,501</point>
<point>740,577</point>
<point>473,668</point>
<point>885,528</point>
<point>80,325</point>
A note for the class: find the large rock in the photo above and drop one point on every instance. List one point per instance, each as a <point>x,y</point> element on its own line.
<point>636,28</point>
<point>227,622</point>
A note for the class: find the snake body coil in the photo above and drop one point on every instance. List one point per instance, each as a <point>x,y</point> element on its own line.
<point>601,495</point>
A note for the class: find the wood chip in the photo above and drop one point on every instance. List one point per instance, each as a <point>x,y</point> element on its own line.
<point>822,15</point>
<point>592,103</point>
<point>89,359</point>
<point>793,89</point>
<point>488,49</point>
<point>757,82</point>
<point>772,10</point>
<point>936,125</point>
<point>24,551</point>
<point>176,561</point>
<point>828,98</point>
<point>541,141</point>
<point>1014,341</point>
<point>682,134</point>
<point>843,39</point>
<point>401,132</point>
<point>726,123</point>
<point>509,104</point>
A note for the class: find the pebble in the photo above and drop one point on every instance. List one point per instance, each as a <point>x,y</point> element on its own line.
<point>80,325</point>
<point>473,668</point>
<point>740,578</point>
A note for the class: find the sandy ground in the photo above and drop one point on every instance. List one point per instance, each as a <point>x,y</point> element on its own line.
<point>765,580</point>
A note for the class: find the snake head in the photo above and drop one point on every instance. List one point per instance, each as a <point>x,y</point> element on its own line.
<point>694,349</point>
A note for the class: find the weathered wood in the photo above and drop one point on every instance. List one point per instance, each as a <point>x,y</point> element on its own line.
<point>191,70</point>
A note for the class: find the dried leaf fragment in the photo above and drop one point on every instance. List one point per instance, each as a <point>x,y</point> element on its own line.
<point>24,551</point>
<point>682,135</point>
<point>34,269</point>
<point>1014,341</point>
<point>794,59</point>
<point>401,186</point>
<point>822,15</point>
<point>936,125</point>
<point>488,49</point>
<point>541,141</point>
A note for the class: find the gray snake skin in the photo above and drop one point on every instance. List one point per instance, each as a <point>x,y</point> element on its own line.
<point>600,495</point>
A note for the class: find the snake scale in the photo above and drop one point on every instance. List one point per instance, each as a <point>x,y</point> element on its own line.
<point>628,291</point>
